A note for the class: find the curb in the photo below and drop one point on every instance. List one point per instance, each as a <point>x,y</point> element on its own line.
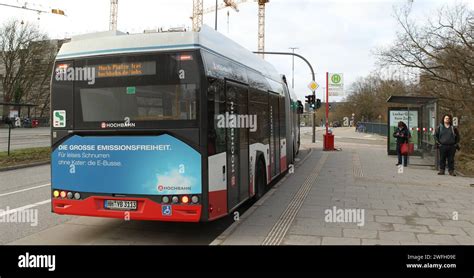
<point>22,166</point>
<point>227,232</point>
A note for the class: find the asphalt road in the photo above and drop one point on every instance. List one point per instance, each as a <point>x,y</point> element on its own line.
<point>29,188</point>
<point>22,138</point>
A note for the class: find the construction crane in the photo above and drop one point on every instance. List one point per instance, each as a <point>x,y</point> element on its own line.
<point>113,15</point>
<point>38,10</point>
<point>197,19</point>
<point>199,11</point>
<point>261,25</point>
<point>227,4</point>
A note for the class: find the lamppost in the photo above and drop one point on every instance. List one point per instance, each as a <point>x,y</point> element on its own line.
<point>293,68</point>
<point>216,14</point>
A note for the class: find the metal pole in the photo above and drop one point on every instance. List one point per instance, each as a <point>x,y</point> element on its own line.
<point>324,99</point>
<point>216,15</point>
<point>293,68</point>
<point>9,135</point>
<point>327,101</point>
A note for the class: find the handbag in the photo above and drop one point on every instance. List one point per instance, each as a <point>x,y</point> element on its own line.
<point>407,148</point>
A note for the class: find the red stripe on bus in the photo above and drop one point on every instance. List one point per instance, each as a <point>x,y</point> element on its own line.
<point>146,209</point>
<point>217,204</point>
<point>283,165</point>
<point>269,174</point>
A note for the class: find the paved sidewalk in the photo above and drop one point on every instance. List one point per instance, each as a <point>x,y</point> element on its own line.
<point>413,207</point>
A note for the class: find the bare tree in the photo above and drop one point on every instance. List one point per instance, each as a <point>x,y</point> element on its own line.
<point>442,50</point>
<point>22,46</point>
<point>369,97</point>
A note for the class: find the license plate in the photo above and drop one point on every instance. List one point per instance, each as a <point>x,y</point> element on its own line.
<point>120,205</point>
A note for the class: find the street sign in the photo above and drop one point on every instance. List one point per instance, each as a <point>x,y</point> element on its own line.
<point>336,84</point>
<point>313,86</point>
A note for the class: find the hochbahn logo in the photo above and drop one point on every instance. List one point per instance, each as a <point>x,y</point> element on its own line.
<point>125,124</point>
<point>177,187</point>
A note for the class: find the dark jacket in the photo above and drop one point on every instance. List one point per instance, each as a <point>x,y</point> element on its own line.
<point>402,135</point>
<point>447,136</point>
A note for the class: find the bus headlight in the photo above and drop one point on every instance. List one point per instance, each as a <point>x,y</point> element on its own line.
<point>77,196</point>
<point>175,199</point>
<point>165,199</point>
<point>185,199</point>
<point>55,193</point>
<point>62,194</point>
<point>195,199</point>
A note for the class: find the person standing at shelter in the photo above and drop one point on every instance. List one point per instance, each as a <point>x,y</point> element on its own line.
<point>447,139</point>
<point>403,135</point>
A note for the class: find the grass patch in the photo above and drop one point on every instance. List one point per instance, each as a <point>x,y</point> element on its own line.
<point>24,156</point>
<point>465,163</point>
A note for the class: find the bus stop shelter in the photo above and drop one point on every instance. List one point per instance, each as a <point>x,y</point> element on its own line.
<point>420,114</point>
<point>18,106</point>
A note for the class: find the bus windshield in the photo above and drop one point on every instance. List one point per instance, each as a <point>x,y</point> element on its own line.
<point>139,103</point>
<point>153,90</point>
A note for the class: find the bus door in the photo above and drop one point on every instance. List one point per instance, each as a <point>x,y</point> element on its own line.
<point>274,134</point>
<point>237,144</point>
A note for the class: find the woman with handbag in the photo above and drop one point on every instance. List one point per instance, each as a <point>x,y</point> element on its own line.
<point>447,138</point>
<point>403,135</point>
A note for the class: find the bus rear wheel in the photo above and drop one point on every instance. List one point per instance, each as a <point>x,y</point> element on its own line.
<point>260,179</point>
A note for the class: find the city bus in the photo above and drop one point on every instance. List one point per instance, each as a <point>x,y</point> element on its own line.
<point>166,126</point>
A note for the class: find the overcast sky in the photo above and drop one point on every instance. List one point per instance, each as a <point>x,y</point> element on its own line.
<point>334,35</point>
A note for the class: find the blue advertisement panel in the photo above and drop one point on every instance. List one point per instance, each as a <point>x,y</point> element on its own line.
<point>143,165</point>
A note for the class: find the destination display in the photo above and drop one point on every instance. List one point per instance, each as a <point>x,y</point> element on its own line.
<point>125,69</point>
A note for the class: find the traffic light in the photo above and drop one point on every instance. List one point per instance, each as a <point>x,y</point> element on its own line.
<point>318,103</point>
<point>310,99</point>
<point>313,102</point>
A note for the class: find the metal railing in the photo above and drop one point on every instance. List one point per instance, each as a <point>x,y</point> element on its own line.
<point>376,128</point>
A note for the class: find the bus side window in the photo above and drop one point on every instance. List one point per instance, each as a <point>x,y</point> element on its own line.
<point>216,106</point>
